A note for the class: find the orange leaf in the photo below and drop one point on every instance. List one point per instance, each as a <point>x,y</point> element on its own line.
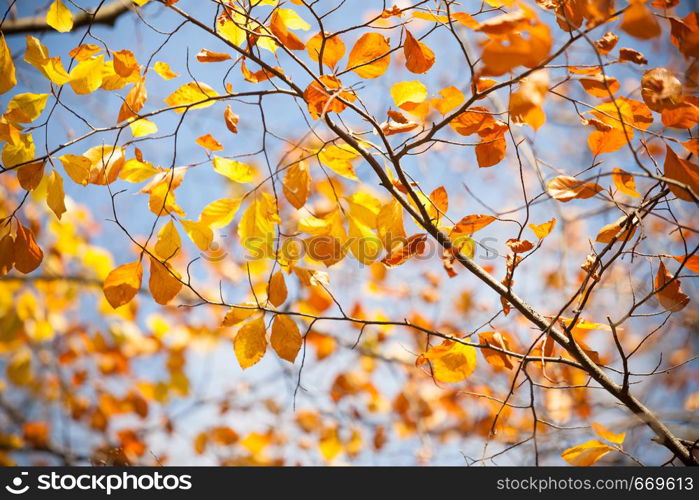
<point>691,262</point>
<point>297,184</point>
<point>470,224</point>
<point>472,121</point>
<point>414,245</point>
<point>122,283</point>
<point>625,182</point>
<point>605,433</point>
<point>286,37</point>
<point>684,172</point>
<point>285,339</point>
<point>606,141</point>
<point>668,290</point>
<point>499,341</point>
<point>586,454</point>
<point>418,56</point>
<point>207,56</point>
<point>250,343</point>
<point>370,56</point>
<point>276,291</point>
<point>28,255</point>
<point>333,49</point>
<point>134,101</point>
<point>491,150</point>
<point>621,229</point>
<point>209,142</point>
<point>162,284</point>
<point>322,101</point>
<point>231,119</point>
<point>639,22</point>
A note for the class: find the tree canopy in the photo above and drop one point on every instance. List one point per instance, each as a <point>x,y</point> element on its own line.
<point>305,232</point>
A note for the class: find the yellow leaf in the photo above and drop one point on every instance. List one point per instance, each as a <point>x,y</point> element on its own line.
<point>162,284</point>
<point>234,170</point>
<point>370,56</point>
<point>59,17</point>
<point>338,159</point>
<point>239,313</point>
<point>586,454</point>
<point>86,76</point>
<point>412,92</point>
<point>256,228</point>
<point>38,56</point>
<point>168,243</point>
<point>219,213</point>
<point>122,284</point>
<point>389,224</point>
<point>451,361</point>
<point>19,368</point>
<point>297,184</point>
<point>285,339</point>
<point>8,78</point>
<point>418,56</point>
<point>163,69</point>
<point>621,229</point>
<point>55,195</point>
<point>544,229</point>
<point>292,20</point>
<point>25,108</point>
<point>364,244</point>
<point>21,151</point>
<point>142,127</point>
<point>250,343</point>
<point>199,233</point>
<point>137,171</point>
<point>189,94</point>
<point>625,182</point>
<point>276,290</point>
<point>605,433</point>
<point>329,444</point>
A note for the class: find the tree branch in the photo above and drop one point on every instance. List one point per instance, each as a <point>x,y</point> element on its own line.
<point>105,15</point>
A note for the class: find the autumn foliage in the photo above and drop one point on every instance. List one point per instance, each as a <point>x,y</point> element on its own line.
<point>296,232</point>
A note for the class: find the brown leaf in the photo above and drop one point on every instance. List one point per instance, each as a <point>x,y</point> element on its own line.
<point>565,188</point>
<point>414,245</point>
<point>631,55</point>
